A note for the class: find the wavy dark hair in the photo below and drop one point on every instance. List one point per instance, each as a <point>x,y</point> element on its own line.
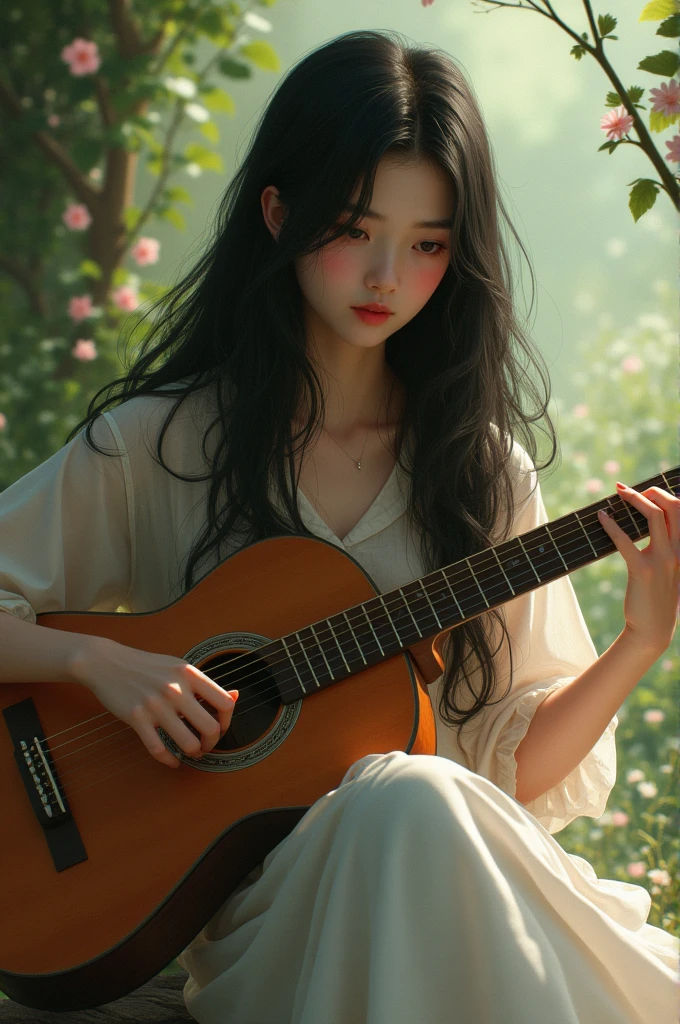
<point>239,328</point>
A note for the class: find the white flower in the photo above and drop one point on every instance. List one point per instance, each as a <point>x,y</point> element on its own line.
<point>654,321</point>
<point>647,789</point>
<point>196,112</point>
<point>194,170</point>
<point>256,22</point>
<point>184,87</point>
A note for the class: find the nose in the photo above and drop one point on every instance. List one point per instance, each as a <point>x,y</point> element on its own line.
<point>383,275</point>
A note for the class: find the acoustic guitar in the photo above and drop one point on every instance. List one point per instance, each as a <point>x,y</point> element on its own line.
<point>111,862</point>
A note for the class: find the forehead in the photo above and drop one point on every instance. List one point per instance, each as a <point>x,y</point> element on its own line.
<point>416,192</point>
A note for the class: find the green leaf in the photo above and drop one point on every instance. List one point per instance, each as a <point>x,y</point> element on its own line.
<point>658,122</point>
<point>219,101</point>
<point>89,268</point>
<point>177,194</point>
<point>610,145</point>
<point>578,52</point>
<point>234,68</point>
<point>606,24</point>
<point>262,54</point>
<point>670,27</point>
<point>665,63</point>
<point>642,197</point>
<point>130,217</point>
<point>175,217</point>
<point>613,100</point>
<point>211,131</point>
<point>205,158</point>
<point>636,93</point>
<point>658,9</point>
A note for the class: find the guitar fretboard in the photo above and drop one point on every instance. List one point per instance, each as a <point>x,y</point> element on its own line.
<point>331,649</point>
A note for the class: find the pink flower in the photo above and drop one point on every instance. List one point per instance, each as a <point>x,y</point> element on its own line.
<point>616,123</point>
<point>82,56</point>
<point>611,466</point>
<point>654,715</point>
<point>80,307</point>
<point>145,251</point>
<point>426,3</point>
<point>3,421</point>
<point>125,298</point>
<point>84,349</point>
<point>619,818</point>
<point>659,876</point>
<point>77,217</point>
<point>667,664</point>
<point>594,485</point>
<point>674,150</point>
<point>637,869</point>
<point>580,411</point>
<point>632,364</point>
<point>54,120</point>
<point>667,98</point>
<point>635,775</point>
<point>647,790</point>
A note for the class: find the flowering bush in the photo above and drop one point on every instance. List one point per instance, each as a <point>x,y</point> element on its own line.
<point>623,427</point>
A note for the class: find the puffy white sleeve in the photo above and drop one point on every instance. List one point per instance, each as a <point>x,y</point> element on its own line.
<point>66,531</point>
<point>551,645</point>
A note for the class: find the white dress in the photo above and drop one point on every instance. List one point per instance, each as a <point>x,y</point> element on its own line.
<point>419,890</point>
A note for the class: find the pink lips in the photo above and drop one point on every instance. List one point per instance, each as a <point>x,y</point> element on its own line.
<point>369,317</point>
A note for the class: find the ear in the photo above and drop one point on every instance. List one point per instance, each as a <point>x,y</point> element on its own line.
<point>273,209</point>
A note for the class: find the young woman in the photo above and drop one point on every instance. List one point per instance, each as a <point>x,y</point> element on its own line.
<point>422,888</point>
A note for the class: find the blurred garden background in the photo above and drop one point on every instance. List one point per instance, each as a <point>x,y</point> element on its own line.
<point>122,123</point>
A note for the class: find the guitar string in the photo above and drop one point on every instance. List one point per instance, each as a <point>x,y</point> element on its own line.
<point>133,735</point>
<point>243,707</point>
<point>420,599</point>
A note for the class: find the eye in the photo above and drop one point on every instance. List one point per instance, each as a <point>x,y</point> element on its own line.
<point>433,252</point>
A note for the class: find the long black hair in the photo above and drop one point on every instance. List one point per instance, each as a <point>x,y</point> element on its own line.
<point>235,322</point>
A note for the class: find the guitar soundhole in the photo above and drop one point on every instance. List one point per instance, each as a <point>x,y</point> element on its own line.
<point>258,700</point>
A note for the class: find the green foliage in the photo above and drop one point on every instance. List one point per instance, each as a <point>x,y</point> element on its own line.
<point>624,428</point>
<point>665,63</point>
<point>642,196</point>
<point>657,9</point>
<point>606,24</point>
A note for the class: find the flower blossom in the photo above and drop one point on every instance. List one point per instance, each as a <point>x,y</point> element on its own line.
<point>659,876</point>
<point>647,789</point>
<point>635,775</point>
<point>636,869</point>
<point>54,120</point>
<point>80,307</point>
<point>666,98</point>
<point>616,123</point>
<point>594,485</point>
<point>612,466</point>
<point>632,364</point>
<point>84,349</point>
<point>82,56</point>
<point>619,818</point>
<point>674,150</point>
<point>654,715</point>
<point>3,421</point>
<point>77,217</point>
<point>145,251</point>
<point>125,298</point>
<point>580,411</point>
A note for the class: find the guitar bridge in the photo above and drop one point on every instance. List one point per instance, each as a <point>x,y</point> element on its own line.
<point>41,782</point>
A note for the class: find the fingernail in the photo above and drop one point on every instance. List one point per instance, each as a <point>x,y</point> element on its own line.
<point>602,514</point>
<point>619,484</point>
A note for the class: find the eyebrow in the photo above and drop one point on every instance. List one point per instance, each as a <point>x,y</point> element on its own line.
<point>351,208</point>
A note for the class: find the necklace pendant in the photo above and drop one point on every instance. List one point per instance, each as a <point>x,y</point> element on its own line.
<point>358,465</point>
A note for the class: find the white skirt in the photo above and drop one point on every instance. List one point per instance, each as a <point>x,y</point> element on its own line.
<point>418,892</point>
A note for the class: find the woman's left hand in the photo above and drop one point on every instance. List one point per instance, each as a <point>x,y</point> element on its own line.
<point>651,604</point>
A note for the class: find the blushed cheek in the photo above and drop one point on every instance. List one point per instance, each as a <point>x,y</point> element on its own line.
<point>425,282</point>
<point>338,264</point>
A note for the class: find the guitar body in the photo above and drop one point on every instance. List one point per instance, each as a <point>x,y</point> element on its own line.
<point>161,850</point>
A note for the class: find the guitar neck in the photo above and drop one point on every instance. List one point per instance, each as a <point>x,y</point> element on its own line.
<point>350,641</point>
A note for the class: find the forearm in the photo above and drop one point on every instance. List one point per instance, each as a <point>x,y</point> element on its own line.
<point>30,653</point>
<point>570,721</point>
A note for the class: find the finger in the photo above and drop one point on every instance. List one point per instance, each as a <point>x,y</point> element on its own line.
<point>168,719</point>
<point>207,725</point>
<point>624,544</point>
<point>671,509</point>
<point>655,517</point>
<point>151,740</point>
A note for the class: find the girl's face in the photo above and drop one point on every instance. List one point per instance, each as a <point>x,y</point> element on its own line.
<point>388,257</point>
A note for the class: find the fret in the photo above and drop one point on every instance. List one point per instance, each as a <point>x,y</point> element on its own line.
<point>547,530</point>
<point>477,582</point>
<point>292,661</point>
<point>665,480</point>
<point>372,630</point>
<point>339,645</point>
<point>529,558</point>
<point>323,653</point>
<point>513,559</point>
<point>504,572</point>
<point>587,534</point>
<point>359,647</point>
<point>630,513</point>
<point>302,646</point>
<point>389,618</point>
<point>446,580</point>
<point>408,608</point>
<point>424,590</point>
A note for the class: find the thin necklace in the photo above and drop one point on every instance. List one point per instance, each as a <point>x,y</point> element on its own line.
<point>358,463</point>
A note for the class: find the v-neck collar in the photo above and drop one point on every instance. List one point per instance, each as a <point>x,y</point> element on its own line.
<point>388,505</point>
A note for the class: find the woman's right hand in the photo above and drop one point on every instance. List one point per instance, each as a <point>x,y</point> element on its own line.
<point>146,690</point>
